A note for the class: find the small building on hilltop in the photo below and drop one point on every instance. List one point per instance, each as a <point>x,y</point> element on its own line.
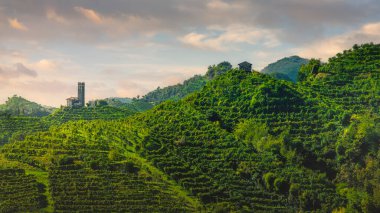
<point>245,66</point>
<point>72,102</point>
<point>81,91</point>
<point>80,100</point>
<point>97,103</point>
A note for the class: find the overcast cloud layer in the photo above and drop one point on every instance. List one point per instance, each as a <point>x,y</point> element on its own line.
<point>128,47</point>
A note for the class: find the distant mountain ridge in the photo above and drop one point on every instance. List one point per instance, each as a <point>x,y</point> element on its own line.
<point>285,67</point>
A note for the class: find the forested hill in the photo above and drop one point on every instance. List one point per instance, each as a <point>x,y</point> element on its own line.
<point>286,68</point>
<point>197,82</point>
<point>245,142</point>
<point>175,92</point>
<point>18,106</point>
<point>20,116</point>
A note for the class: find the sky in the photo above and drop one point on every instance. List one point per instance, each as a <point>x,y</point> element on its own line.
<point>125,48</point>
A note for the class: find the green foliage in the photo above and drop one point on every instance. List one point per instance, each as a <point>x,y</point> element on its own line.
<point>101,103</point>
<point>18,106</point>
<point>88,170</point>
<point>216,70</point>
<point>20,192</point>
<point>245,142</point>
<point>87,113</point>
<point>280,76</point>
<point>136,105</point>
<point>269,179</point>
<point>286,68</point>
<point>251,132</point>
<point>294,189</point>
<point>189,86</point>
<point>257,135</point>
<point>309,70</point>
<point>281,185</point>
<point>175,92</point>
<point>19,127</point>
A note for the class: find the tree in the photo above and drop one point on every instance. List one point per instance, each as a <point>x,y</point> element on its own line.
<point>309,70</point>
<point>219,69</point>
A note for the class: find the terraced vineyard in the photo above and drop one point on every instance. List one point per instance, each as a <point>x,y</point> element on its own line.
<point>245,143</point>
<point>88,113</point>
<point>104,191</point>
<point>20,192</point>
<point>350,80</point>
<point>18,125</point>
<point>98,175</point>
<point>199,145</point>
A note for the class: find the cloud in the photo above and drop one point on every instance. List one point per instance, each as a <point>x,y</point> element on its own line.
<point>200,41</point>
<point>91,15</point>
<point>142,78</point>
<point>128,88</point>
<point>218,5</point>
<point>100,89</point>
<point>115,26</point>
<point>15,24</point>
<point>329,47</point>
<point>160,43</point>
<point>52,15</point>
<point>299,21</point>
<point>227,38</point>
<point>11,74</point>
<point>371,29</point>
<point>18,70</point>
<point>11,56</point>
<point>46,92</point>
<point>46,65</point>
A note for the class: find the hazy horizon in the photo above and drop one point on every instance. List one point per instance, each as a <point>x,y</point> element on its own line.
<point>128,48</point>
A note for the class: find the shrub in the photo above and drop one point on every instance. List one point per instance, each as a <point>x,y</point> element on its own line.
<point>281,185</point>
<point>269,179</point>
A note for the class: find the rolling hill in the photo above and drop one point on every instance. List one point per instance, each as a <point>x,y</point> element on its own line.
<point>285,68</point>
<point>245,142</point>
<point>18,106</point>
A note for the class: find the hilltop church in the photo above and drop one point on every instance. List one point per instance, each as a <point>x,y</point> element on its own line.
<point>77,101</point>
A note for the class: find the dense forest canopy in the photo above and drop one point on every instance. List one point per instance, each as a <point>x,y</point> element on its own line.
<point>239,141</point>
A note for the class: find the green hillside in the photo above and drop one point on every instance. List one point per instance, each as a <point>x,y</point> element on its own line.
<point>20,192</point>
<point>106,175</point>
<point>87,113</point>
<point>19,126</point>
<point>175,92</point>
<point>286,68</point>
<point>193,84</point>
<point>131,104</point>
<point>245,142</point>
<point>18,106</point>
